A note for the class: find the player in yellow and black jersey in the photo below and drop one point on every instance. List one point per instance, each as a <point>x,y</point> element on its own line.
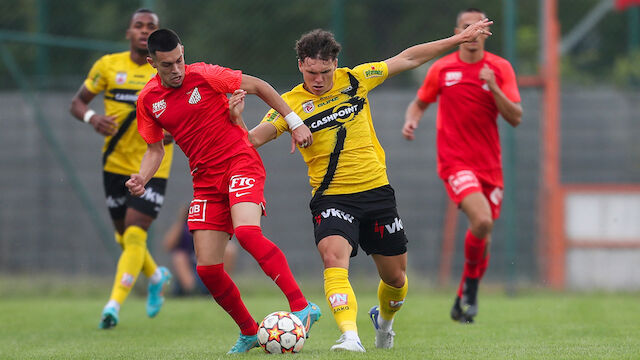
<point>353,204</point>
<point>120,77</point>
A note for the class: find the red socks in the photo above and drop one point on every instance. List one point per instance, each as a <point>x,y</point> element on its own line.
<point>475,261</point>
<point>226,294</point>
<point>273,263</point>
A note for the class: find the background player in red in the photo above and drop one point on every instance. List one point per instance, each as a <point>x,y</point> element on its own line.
<point>473,86</point>
<point>190,102</point>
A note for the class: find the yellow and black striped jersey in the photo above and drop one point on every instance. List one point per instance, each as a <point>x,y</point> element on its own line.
<point>346,156</point>
<point>121,80</point>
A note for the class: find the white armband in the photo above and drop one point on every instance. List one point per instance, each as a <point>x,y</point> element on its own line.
<point>87,115</point>
<point>293,120</point>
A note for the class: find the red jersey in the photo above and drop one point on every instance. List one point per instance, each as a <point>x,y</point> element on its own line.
<point>467,130</point>
<point>196,114</point>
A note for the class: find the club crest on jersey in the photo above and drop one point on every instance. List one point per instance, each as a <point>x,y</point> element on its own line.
<point>195,96</point>
<point>121,78</point>
<point>452,77</point>
<point>308,107</point>
<point>159,108</point>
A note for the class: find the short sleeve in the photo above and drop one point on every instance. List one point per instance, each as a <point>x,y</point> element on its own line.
<point>222,79</point>
<point>273,117</point>
<point>96,80</point>
<point>428,92</point>
<point>150,131</point>
<point>509,84</point>
<point>371,74</point>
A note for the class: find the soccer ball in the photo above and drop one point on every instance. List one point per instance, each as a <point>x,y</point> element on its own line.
<point>281,332</point>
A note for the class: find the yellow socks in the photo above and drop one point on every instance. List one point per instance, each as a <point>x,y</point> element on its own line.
<point>391,300</point>
<point>134,241</point>
<point>341,298</point>
<point>149,265</point>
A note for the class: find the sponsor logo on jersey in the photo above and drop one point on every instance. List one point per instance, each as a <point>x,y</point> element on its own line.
<point>485,87</point>
<point>121,78</point>
<point>373,72</point>
<point>347,89</point>
<point>328,101</point>
<point>272,115</point>
<point>463,180</point>
<point>452,77</point>
<point>128,98</point>
<point>336,116</point>
<point>496,196</point>
<point>338,300</point>
<point>308,107</point>
<point>337,213</point>
<point>197,210</point>
<point>391,228</point>
<point>239,182</point>
<point>195,96</point>
<point>159,108</point>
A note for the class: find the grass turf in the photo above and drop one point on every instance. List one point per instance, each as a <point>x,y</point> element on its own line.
<point>532,325</point>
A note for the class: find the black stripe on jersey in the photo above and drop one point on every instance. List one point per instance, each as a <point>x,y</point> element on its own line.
<point>333,161</point>
<point>115,138</point>
<point>127,96</point>
<point>352,90</point>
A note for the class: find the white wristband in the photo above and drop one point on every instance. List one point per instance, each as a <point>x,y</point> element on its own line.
<point>293,120</point>
<point>87,115</point>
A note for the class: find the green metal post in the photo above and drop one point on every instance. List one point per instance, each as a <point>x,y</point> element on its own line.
<point>42,52</point>
<point>634,28</point>
<point>337,26</point>
<point>509,155</point>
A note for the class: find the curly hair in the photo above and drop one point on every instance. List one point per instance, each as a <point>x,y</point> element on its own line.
<point>317,44</point>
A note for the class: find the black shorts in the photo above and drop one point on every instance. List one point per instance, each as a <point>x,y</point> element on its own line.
<point>119,198</point>
<point>369,219</point>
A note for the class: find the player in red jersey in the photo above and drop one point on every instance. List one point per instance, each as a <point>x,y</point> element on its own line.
<point>190,102</point>
<point>474,86</point>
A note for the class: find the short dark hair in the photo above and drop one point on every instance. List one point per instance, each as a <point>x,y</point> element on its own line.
<point>317,44</point>
<point>469,10</point>
<point>142,11</point>
<point>162,40</point>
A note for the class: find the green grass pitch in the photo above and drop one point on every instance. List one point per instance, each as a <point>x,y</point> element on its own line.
<point>531,325</point>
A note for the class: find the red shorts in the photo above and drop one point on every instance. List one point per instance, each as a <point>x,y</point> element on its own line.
<point>460,183</point>
<point>216,189</point>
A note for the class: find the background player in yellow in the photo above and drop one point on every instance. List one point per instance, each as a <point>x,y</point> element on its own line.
<point>121,76</point>
<point>353,204</point>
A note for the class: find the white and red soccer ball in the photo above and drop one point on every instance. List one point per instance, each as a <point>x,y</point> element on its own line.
<point>281,332</point>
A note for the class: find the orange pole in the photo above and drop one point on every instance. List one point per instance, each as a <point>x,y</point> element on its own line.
<point>448,243</point>
<point>551,207</point>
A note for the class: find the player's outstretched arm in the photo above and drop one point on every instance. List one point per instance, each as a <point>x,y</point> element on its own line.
<point>420,54</point>
<point>299,131</point>
<point>150,163</point>
<point>105,125</point>
<point>412,117</point>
